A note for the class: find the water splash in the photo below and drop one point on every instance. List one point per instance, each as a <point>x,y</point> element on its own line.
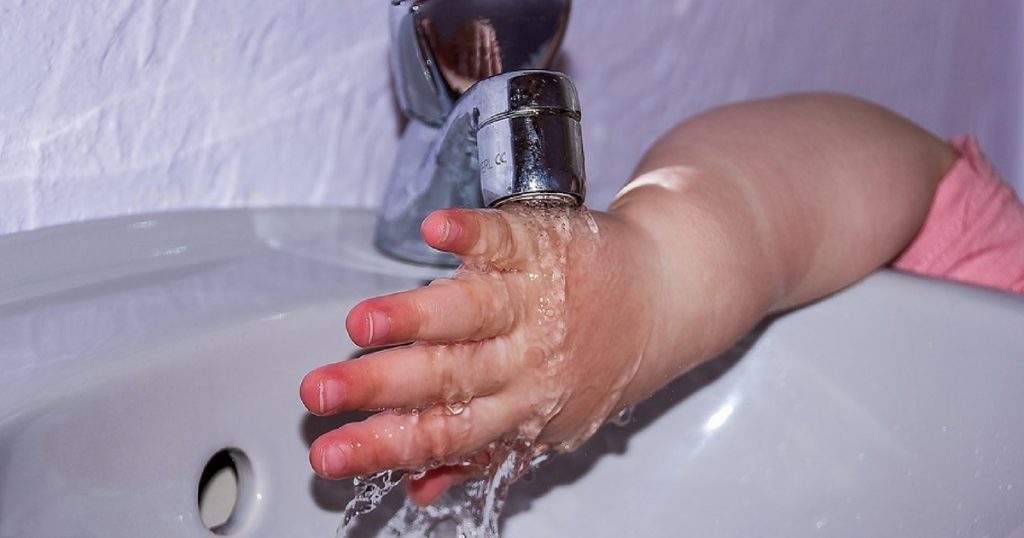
<point>369,492</point>
<point>469,511</point>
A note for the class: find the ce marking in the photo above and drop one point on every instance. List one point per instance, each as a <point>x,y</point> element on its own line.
<point>499,159</point>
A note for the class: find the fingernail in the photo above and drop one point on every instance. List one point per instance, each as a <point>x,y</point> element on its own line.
<point>377,324</point>
<point>331,394</point>
<point>446,227</point>
<point>332,461</point>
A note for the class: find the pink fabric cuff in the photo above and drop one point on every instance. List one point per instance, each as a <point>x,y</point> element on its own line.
<point>974,231</point>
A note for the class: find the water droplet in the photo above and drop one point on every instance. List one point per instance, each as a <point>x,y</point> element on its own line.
<point>623,417</point>
<point>456,408</point>
<point>591,223</point>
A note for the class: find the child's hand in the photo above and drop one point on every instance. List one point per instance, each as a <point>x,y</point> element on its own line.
<point>529,346</point>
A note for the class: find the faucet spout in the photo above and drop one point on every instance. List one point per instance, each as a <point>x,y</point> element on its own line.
<point>507,136</point>
<point>529,142</point>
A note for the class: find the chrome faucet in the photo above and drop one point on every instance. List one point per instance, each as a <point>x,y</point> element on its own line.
<point>485,127</point>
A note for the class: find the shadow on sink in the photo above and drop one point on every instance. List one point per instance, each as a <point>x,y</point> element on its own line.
<point>566,469</point>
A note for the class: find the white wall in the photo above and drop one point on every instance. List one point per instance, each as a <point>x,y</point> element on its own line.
<point>111,107</point>
<point>118,106</point>
<point>952,65</point>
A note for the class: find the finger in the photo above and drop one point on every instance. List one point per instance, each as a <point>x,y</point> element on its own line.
<point>480,51</point>
<point>391,441</point>
<point>478,235</point>
<point>493,51</point>
<point>424,491</point>
<point>410,376</point>
<point>449,310</point>
<point>465,51</point>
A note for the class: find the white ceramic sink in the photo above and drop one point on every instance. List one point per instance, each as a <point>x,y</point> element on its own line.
<point>132,350</point>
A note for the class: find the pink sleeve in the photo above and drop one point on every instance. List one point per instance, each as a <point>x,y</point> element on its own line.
<point>974,231</point>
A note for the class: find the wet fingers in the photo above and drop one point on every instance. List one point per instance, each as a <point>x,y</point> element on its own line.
<point>482,236</point>
<point>471,307</point>
<point>405,441</point>
<point>405,377</point>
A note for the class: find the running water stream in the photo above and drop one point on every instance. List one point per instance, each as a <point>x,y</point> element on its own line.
<point>473,509</point>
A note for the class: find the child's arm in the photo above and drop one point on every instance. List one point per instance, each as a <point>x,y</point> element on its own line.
<point>776,202</point>
<point>742,211</point>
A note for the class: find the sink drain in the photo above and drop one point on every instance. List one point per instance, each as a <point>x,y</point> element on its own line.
<point>225,491</point>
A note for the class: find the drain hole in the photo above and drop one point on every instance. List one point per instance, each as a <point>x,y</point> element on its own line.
<point>224,491</point>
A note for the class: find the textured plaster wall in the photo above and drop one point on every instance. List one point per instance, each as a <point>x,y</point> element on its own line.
<point>111,107</point>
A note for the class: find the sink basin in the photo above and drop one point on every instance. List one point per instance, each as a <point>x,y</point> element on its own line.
<point>136,349</point>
